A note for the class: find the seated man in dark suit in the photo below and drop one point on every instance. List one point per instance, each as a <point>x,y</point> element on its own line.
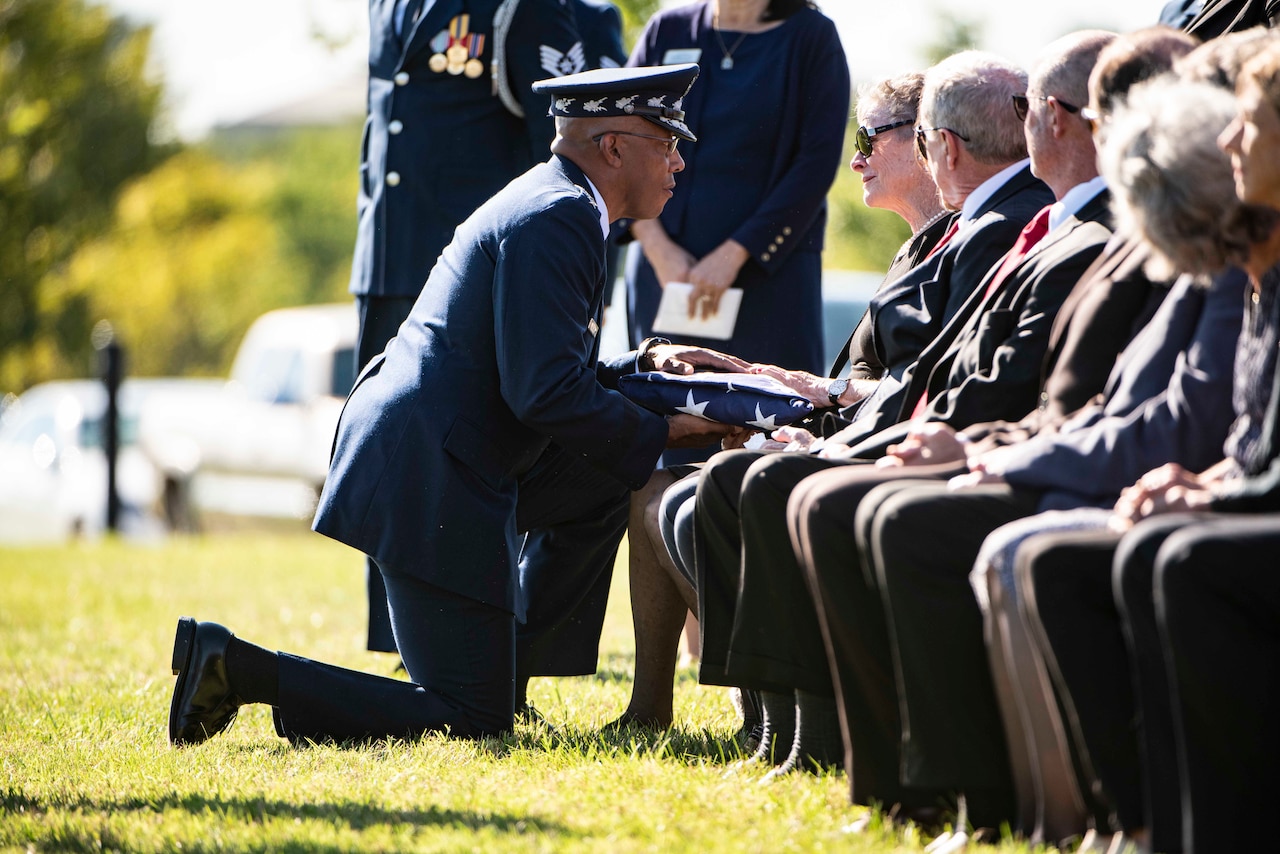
<point>988,361</point>
<point>488,414</point>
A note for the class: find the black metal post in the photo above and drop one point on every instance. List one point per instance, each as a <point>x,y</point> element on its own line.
<point>111,370</point>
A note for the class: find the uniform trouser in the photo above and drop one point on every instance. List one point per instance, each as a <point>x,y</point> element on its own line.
<point>379,320</point>
<point>460,654</point>
<point>464,656</point>
<point>923,541</point>
<point>1218,607</point>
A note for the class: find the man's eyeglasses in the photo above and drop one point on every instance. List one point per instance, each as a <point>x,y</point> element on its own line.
<point>671,141</point>
<point>921,141</point>
<point>1021,104</point>
<point>862,139</point>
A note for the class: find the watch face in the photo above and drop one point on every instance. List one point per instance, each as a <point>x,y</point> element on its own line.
<point>836,389</point>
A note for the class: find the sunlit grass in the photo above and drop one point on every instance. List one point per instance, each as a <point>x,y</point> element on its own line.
<point>85,637</point>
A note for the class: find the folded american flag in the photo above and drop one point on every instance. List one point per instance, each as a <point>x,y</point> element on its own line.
<point>746,400</point>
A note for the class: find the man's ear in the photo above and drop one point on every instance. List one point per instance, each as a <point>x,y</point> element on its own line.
<point>610,150</point>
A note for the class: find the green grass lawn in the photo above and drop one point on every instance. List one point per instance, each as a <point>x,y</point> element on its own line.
<point>85,637</point>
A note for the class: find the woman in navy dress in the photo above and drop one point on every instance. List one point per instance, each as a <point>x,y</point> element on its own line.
<point>750,208</point>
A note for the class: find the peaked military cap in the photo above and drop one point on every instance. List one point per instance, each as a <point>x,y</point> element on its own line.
<point>655,93</point>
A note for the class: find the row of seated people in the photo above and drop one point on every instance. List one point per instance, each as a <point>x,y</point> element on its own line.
<point>949,584</point>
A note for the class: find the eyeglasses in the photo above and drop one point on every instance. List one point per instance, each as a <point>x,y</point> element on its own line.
<point>671,141</point>
<point>921,141</point>
<point>862,139</point>
<point>1021,104</point>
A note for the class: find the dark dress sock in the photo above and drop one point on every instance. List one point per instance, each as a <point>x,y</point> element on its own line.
<point>253,672</point>
<point>779,727</point>
<point>817,746</point>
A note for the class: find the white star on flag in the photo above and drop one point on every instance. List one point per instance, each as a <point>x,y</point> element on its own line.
<point>691,408</point>
<point>762,422</point>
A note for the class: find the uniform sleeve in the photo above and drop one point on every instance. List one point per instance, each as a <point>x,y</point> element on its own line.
<point>545,276</point>
<point>543,42</point>
<point>792,204</point>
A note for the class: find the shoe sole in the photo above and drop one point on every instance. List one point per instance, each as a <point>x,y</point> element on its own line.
<point>183,643</point>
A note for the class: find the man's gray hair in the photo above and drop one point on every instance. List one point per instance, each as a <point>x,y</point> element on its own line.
<point>971,94</point>
<point>1171,183</point>
<point>900,96</point>
<point>1064,71</point>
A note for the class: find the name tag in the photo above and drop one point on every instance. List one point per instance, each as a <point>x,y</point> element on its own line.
<point>593,327</point>
<point>677,55</point>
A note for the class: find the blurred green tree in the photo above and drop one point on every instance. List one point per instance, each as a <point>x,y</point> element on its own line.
<point>635,14</point>
<point>193,256</point>
<point>78,115</point>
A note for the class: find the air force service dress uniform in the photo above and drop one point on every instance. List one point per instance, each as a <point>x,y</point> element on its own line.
<point>491,385</point>
<point>452,118</point>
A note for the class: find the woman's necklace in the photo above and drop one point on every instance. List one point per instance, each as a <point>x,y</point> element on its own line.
<point>726,62</point>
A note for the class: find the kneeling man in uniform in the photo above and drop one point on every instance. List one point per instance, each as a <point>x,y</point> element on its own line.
<point>484,460</point>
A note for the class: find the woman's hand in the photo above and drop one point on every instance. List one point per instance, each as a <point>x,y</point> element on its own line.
<point>670,261</point>
<point>811,387</point>
<point>713,275</point>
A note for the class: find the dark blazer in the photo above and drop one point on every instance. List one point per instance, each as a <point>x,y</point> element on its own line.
<point>910,313</point>
<point>859,352</point>
<point>1113,301</point>
<point>1168,399</point>
<point>987,363</point>
<point>497,359</point>
<point>447,139</point>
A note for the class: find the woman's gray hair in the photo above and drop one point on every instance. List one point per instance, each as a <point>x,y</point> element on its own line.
<point>1171,183</point>
<point>900,96</point>
<point>971,94</point>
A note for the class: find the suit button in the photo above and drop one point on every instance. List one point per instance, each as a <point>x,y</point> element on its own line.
<point>396,126</point>
<point>402,78</point>
<point>765,256</point>
<point>393,179</point>
<point>781,238</point>
<point>773,247</point>
<point>786,229</point>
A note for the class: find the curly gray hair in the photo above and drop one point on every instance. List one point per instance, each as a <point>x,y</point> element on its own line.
<point>1172,184</point>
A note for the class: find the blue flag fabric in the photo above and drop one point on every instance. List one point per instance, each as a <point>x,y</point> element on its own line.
<point>745,400</point>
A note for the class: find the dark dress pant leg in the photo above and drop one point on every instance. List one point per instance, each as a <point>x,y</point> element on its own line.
<point>717,536</point>
<point>1218,603</point>
<point>460,654</point>
<point>675,520</point>
<point>923,544</point>
<point>1064,581</point>
<point>575,516</point>
<point>775,644</point>
<point>1133,578</point>
<point>379,320</point>
<point>823,522</point>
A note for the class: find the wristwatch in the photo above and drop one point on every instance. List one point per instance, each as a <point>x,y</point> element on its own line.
<point>642,353</point>
<point>835,389</point>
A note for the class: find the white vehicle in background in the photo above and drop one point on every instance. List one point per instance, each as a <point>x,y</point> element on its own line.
<point>259,444</point>
<point>53,470</point>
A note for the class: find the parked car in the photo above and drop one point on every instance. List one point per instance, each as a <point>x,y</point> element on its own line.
<point>258,444</point>
<point>53,472</point>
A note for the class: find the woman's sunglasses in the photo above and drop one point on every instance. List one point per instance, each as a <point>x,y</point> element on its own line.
<point>862,139</point>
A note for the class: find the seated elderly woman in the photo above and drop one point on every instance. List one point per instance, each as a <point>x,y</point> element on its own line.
<point>1049,578</point>
<point>892,179</point>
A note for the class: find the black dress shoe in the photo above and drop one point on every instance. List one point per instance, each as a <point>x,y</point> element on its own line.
<point>203,702</point>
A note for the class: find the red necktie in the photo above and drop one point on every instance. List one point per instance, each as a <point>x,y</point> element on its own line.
<point>946,235</point>
<point>1030,236</point>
